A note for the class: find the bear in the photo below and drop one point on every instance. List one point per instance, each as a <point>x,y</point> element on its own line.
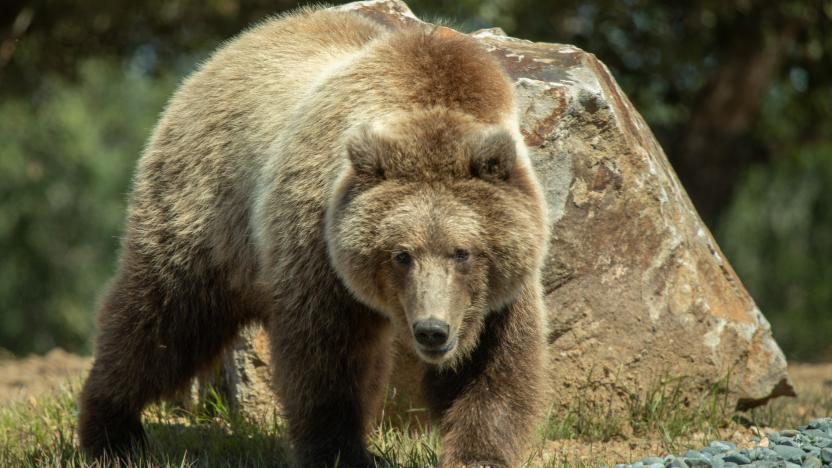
<point>344,184</point>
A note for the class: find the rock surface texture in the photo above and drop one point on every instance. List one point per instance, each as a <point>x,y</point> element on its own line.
<point>636,288</point>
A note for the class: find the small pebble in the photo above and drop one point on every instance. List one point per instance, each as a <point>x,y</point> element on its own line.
<point>656,465</point>
<point>789,433</point>
<point>653,460</point>
<point>696,462</point>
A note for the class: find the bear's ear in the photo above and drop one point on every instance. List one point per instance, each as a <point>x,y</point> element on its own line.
<point>493,156</point>
<point>366,150</point>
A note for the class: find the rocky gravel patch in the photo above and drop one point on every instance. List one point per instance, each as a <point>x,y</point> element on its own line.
<point>808,446</point>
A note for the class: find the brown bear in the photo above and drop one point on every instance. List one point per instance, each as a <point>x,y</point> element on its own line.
<point>342,184</point>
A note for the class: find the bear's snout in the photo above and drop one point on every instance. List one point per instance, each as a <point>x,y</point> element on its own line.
<point>431,333</point>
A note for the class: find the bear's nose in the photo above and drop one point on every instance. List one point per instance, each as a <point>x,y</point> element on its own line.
<point>431,333</point>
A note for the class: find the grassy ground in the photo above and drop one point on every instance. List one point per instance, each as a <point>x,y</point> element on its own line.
<point>39,430</point>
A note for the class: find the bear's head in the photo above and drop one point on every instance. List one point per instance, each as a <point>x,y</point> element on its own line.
<point>436,221</point>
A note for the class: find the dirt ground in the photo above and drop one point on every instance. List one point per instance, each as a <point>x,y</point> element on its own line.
<point>34,376</point>
<point>37,376</point>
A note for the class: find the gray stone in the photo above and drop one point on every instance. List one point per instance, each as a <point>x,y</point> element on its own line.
<point>770,464</point>
<point>677,463</point>
<point>792,454</point>
<point>737,458</point>
<point>698,462</point>
<point>721,446</point>
<point>816,433</point>
<point>769,454</point>
<point>823,423</point>
<point>812,462</point>
<point>811,450</point>
<point>776,438</point>
<point>826,455</point>
<point>652,460</point>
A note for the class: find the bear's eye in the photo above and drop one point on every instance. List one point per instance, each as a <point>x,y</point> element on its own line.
<point>461,255</point>
<point>402,258</point>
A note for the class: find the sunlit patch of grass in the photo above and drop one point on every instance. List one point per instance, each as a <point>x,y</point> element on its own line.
<point>588,420</point>
<point>666,412</point>
<point>41,432</point>
<point>663,411</point>
<point>405,446</point>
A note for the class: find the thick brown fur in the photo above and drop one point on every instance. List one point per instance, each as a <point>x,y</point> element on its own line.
<point>280,183</point>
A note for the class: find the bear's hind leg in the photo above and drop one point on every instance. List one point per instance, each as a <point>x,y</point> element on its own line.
<point>153,338</point>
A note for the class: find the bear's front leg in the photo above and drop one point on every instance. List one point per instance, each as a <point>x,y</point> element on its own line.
<point>331,367</point>
<point>491,406</point>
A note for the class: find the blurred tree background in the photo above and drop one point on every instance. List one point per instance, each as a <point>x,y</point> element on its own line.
<point>739,92</point>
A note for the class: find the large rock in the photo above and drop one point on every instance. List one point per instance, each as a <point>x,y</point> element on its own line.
<point>637,290</point>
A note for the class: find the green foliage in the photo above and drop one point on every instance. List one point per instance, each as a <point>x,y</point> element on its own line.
<point>65,164</point>
<point>778,234</point>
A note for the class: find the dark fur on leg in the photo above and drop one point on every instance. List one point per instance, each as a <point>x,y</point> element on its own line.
<point>331,375</point>
<point>155,334</point>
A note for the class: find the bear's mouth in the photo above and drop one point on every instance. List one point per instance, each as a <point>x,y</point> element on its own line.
<point>440,352</point>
